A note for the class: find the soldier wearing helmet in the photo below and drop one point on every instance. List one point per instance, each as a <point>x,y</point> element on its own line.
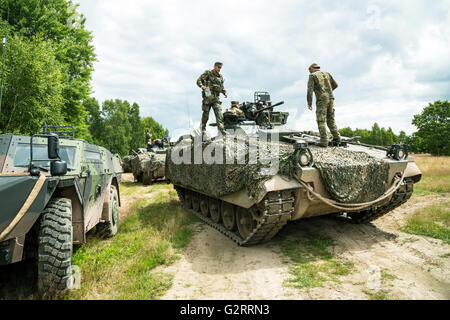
<point>323,84</point>
<point>211,83</point>
<point>236,108</point>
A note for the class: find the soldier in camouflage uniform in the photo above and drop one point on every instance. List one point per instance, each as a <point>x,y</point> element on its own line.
<point>323,84</point>
<point>236,109</point>
<point>212,81</point>
<point>148,137</point>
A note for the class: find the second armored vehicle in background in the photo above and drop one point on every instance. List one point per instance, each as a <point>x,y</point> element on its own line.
<point>148,164</point>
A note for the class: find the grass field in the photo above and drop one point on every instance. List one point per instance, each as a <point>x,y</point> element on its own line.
<point>313,263</point>
<point>123,267</point>
<point>435,174</point>
<point>434,220</point>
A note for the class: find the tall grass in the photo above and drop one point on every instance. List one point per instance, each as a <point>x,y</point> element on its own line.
<point>435,174</point>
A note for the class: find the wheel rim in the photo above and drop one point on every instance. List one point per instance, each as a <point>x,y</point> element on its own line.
<point>245,222</point>
<point>204,205</point>
<point>228,216</point>
<point>187,199</point>
<point>195,201</point>
<point>214,209</point>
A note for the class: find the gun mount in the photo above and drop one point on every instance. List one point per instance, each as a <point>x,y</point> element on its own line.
<point>259,112</point>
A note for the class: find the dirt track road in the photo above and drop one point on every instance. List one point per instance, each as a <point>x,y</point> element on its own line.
<point>399,265</point>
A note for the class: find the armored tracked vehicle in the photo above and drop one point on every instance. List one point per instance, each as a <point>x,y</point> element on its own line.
<point>148,164</point>
<point>53,190</point>
<point>261,175</point>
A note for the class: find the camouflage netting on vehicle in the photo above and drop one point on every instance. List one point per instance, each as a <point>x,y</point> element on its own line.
<point>126,164</point>
<point>147,161</point>
<point>225,177</point>
<point>348,176</point>
<point>137,161</point>
<point>154,162</point>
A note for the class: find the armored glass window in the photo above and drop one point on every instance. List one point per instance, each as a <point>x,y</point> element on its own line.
<point>22,155</point>
<point>92,155</point>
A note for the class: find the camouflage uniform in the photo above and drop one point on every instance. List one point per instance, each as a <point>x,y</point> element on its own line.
<point>235,109</point>
<point>214,81</point>
<point>148,137</point>
<point>323,84</point>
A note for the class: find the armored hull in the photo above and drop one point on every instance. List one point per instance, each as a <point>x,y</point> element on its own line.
<point>148,166</point>
<point>249,184</point>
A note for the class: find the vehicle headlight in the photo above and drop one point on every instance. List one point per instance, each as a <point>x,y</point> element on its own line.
<point>304,159</point>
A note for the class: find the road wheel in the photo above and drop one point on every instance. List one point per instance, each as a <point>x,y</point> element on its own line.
<point>214,209</point>
<point>228,216</point>
<point>109,229</point>
<point>187,199</point>
<point>195,201</point>
<point>204,205</point>
<point>55,246</point>
<point>245,222</point>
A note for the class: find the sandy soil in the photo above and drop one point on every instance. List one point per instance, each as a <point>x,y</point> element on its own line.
<point>214,267</point>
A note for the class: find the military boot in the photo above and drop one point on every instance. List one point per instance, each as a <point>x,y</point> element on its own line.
<point>323,144</point>
<point>337,139</point>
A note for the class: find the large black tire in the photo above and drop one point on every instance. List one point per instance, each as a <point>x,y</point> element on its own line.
<point>109,229</point>
<point>55,246</point>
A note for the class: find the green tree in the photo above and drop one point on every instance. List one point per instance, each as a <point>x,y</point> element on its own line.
<point>58,23</point>
<point>414,143</point>
<point>376,136</point>
<point>94,120</point>
<point>346,132</point>
<point>116,130</point>
<point>433,126</point>
<point>157,129</point>
<point>33,89</point>
<point>137,135</point>
<point>364,134</point>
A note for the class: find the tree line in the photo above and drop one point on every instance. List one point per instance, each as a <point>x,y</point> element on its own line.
<point>432,136</point>
<point>49,60</point>
<point>117,125</point>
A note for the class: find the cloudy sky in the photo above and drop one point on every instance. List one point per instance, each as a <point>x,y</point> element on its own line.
<point>390,58</point>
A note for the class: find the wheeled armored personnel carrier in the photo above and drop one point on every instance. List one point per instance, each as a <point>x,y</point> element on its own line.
<point>148,164</point>
<point>261,175</point>
<point>53,190</point>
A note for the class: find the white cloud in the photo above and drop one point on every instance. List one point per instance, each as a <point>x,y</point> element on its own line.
<point>389,61</point>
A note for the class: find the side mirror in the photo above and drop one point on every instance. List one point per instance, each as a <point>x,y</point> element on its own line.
<point>58,167</point>
<point>53,146</point>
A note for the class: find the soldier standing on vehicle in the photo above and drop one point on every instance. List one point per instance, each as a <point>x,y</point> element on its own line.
<point>148,137</point>
<point>323,84</point>
<point>211,83</point>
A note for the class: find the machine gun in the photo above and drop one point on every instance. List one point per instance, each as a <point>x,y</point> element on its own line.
<point>259,111</point>
<point>256,112</point>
